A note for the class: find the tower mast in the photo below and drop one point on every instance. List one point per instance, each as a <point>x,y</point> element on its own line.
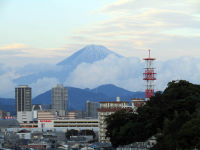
<point>149,76</point>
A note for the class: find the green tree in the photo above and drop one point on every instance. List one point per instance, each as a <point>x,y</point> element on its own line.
<point>87,132</point>
<point>71,132</point>
<point>167,115</point>
<point>116,130</point>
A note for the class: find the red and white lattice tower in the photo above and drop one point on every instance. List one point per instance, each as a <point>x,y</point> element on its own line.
<point>149,77</point>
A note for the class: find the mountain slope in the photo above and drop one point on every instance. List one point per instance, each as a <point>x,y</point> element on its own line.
<point>88,54</point>
<point>111,90</point>
<point>7,104</point>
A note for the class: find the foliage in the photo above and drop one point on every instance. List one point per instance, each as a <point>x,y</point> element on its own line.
<point>74,132</point>
<point>172,115</point>
<point>87,132</point>
<point>117,123</point>
<point>71,132</point>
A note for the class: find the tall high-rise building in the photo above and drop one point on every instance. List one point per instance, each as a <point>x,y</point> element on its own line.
<point>91,109</point>
<point>23,103</point>
<point>23,98</point>
<point>60,99</point>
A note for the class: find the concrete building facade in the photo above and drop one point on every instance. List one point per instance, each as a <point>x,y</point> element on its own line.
<point>23,103</point>
<point>23,98</point>
<point>24,116</point>
<point>107,108</point>
<point>91,109</point>
<point>60,100</point>
<point>137,102</point>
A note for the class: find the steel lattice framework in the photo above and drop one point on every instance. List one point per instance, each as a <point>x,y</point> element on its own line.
<point>149,76</point>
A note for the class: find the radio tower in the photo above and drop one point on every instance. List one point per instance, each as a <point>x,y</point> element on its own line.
<point>149,77</point>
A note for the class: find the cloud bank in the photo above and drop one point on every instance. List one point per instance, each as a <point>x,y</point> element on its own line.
<point>125,72</point>
<point>128,73</point>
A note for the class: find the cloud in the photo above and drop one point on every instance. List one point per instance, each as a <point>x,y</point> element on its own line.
<point>183,68</point>
<point>129,5</point>
<point>128,73</point>
<point>13,46</point>
<point>21,54</point>
<point>123,72</point>
<point>7,88</point>
<point>37,68</point>
<point>43,85</point>
<point>134,26</point>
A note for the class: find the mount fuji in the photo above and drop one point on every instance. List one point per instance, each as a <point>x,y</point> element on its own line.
<point>60,71</point>
<point>88,54</point>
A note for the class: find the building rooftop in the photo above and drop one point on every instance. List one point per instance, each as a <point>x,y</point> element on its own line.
<point>9,124</point>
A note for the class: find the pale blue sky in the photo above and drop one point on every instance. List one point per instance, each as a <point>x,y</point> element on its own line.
<point>45,23</point>
<point>51,30</point>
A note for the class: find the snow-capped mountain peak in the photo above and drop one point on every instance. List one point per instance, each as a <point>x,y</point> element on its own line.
<point>88,54</point>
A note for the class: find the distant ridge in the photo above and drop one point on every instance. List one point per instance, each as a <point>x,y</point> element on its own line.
<point>78,97</point>
<point>111,90</point>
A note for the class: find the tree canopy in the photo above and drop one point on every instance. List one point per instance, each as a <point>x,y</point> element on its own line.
<point>173,116</point>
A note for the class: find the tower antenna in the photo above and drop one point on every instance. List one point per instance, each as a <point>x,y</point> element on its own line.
<point>149,76</point>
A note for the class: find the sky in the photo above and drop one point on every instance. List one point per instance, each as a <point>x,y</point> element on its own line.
<point>48,31</point>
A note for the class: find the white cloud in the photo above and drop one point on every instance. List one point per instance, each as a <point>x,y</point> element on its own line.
<point>128,73</point>
<point>43,85</point>
<point>123,72</point>
<point>37,68</point>
<point>20,54</point>
<point>7,86</point>
<point>183,68</point>
<point>169,28</point>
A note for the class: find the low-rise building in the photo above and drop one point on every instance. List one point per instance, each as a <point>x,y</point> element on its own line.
<point>24,134</point>
<point>137,102</point>
<point>107,108</point>
<point>25,116</point>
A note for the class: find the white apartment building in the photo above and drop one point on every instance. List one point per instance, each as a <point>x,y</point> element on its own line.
<point>107,108</point>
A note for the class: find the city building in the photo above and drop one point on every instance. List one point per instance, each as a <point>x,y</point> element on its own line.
<point>137,102</point>
<point>107,108</point>
<point>91,109</point>
<point>23,103</point>
<point>70,124</point>
<point>23,98</point>
<point>4,124</point>
<point>25,116</point>
<point>46,115</point>
<point>76,114</point>
<point>60,100</point>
